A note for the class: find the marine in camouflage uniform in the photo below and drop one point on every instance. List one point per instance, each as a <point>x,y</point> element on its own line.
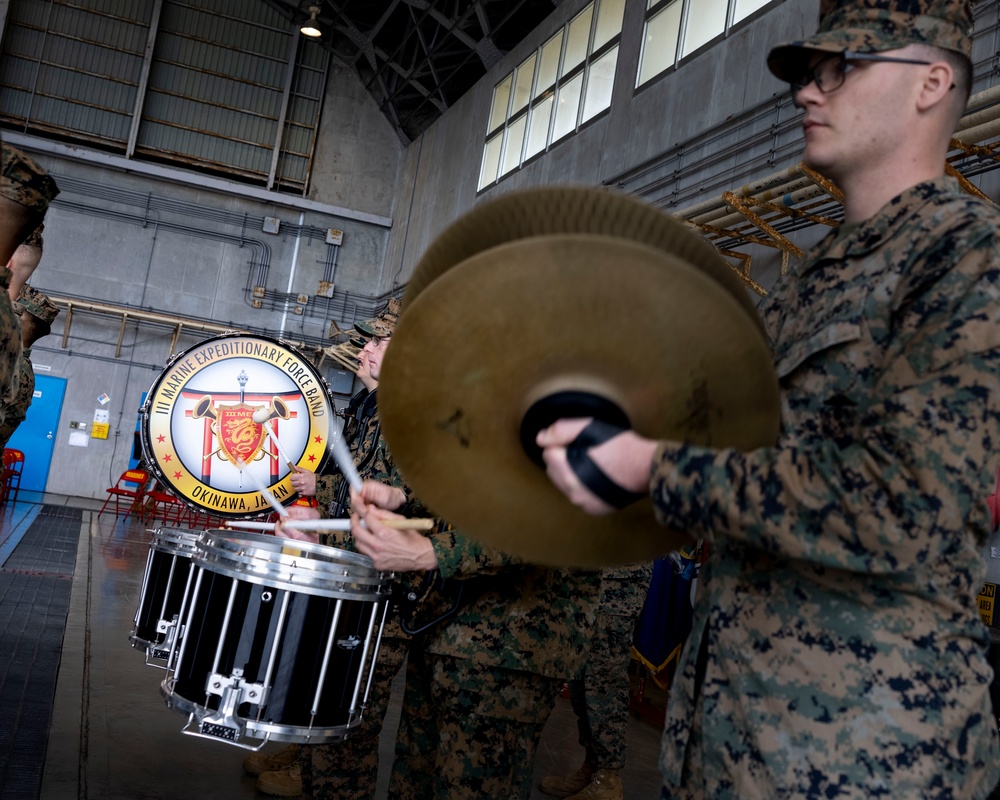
<point>26,190</point>
<point>871,500</point>
<point>600,697</point>
<point>42,312</point>
<point>349,769</point>
<point>481,684</point>
<point>836,649</point>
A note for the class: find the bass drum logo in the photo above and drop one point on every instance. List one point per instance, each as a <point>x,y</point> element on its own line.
<point>232,404</point>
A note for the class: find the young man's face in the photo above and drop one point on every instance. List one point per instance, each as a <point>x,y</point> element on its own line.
<point>373,353</point>
<point>854,126</point>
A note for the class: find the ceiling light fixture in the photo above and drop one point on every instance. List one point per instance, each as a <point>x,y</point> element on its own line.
<point>309,27</point>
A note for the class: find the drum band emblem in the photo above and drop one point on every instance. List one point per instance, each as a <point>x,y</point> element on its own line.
<point>194,417</point>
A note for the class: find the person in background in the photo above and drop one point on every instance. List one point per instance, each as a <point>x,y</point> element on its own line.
<point>600,697</point>
<point>25,193</point>
<point>347,770</point>
<point>37,314</point>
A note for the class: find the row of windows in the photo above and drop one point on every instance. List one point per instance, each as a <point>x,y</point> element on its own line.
<point>566,82</point>
<point>673,30</point>
<point>570,78</point>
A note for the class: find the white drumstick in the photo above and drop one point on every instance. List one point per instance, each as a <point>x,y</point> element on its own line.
<point>299,524</point>
<point>333,524</point>
<point>280,509</point>
<point>264,417</point>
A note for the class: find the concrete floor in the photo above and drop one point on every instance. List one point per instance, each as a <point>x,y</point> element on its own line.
<point>111,735</point>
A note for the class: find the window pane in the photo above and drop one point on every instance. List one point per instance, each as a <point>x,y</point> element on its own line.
<point>659,43</point>
<point>579,36</point>
<point>538,127</point>
<point>744,8</point>
<point>522,84</point>
<point>600,83</point>
<point>491,161</point>
<point>706,24</point>
<point>549,64</point>
<point>567,105</point>
<point>501,96</point>
<point>609,21</point>
<point>512,145</point>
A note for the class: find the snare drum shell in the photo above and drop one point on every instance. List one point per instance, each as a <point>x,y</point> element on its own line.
<point>308,615</point>
<point>162,592</point>
<point>253,636</point>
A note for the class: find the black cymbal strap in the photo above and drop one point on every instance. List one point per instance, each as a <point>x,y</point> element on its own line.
<point>591,475</point>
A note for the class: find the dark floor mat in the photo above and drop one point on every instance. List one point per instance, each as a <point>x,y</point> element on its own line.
<point>35,585</point>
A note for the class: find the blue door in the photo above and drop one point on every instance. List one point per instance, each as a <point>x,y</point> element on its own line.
<point>36,436</point>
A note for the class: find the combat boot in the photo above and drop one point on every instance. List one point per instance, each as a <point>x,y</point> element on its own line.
<point>604,785</point>
<point>565,785</point>
<point>282,782</point>
<point>257,763</point>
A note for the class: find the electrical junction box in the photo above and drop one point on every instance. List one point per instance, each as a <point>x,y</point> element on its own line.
<point>325,289</point>
<point>271,225</point>
<point>333,236</point>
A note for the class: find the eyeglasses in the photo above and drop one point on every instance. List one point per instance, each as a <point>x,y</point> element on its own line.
<point>377,340</point>
<point>828,73</point>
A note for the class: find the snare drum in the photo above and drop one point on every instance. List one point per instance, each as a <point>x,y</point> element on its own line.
<point>198,431</point>
<point>164,587</point>
<point>278,640</point>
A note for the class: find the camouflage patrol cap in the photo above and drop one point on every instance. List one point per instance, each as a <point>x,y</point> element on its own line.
<point>37,304</point>
<point>384,324</point>
<point>871,26</point>
<point>23,181</point>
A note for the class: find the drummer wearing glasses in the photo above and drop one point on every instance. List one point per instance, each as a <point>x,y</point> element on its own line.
<point>348,769</point>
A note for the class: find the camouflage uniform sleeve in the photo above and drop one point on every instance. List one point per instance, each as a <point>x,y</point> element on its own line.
<point>326,490</point>
<point>909,477</point>
<point>461,557</point>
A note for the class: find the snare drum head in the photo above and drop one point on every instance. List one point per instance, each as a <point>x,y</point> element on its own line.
<point>197,424</point>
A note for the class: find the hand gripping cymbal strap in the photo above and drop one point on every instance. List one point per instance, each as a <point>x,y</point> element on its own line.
<point>591,475</point>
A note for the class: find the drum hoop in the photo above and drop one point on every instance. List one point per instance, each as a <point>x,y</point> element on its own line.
<point>175,540</point>
<point>161,404</point>
<point>258,559</point>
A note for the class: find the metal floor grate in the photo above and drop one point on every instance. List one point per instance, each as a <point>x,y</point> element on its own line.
<point>35,585</point>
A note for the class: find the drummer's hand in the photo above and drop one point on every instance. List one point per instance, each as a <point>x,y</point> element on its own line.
<point>376,495</point>
<point>298,512</point>
<point>392,550</point>
<point>304,482</point>
<point>626,459</point>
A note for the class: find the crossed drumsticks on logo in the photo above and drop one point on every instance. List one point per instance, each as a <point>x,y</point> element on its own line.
<point>240,431</point>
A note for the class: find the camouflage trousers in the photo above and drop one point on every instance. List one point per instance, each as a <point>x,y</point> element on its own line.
<point>468,730</point>
<point>600,698</point>
<point>348,770</point>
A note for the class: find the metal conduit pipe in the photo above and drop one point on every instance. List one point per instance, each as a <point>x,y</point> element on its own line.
<point>264,251</point>
<point>787,201</point>
<point>720,180</point>
<point>751,115</point>
<point>980,133</point>
<point>720,208</point>
<point>723,156</point>
<point>977,101</point>
<point>145,200</point>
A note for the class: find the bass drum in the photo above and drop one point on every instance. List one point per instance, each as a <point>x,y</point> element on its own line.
<point>198,432</point>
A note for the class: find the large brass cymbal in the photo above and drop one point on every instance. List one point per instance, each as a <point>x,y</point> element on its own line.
<point>547,210</point>
<point>508,327</point>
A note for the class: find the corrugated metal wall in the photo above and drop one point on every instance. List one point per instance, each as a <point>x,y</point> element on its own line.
<point>222,85</point>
